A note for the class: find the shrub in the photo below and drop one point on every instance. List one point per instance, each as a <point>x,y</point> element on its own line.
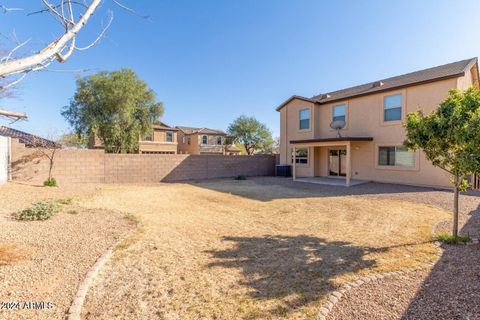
<point>241,177</point>
<point>448,238</point>
<point>40,210</point>
<point>72,211</point>
<point>50,182</point>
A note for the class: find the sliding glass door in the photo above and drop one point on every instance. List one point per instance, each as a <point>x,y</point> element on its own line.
<point>337,162</point>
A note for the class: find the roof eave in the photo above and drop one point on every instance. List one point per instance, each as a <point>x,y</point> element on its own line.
<point>293,98</point>
<point>452,76</point>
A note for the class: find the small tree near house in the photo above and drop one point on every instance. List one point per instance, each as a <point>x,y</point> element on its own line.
<point>47,149</point>
<point>450,139</point>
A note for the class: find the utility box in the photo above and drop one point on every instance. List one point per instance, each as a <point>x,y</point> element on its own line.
<point>283,170</point>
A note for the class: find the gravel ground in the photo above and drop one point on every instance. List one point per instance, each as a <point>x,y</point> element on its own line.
<point>46,260</point>
<point>449,292</point>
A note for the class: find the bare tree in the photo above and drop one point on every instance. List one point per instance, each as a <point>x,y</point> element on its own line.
<point>46,148</point>
<point>65,12</point>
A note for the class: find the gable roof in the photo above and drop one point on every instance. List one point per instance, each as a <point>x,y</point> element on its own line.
<point>163,126</point>
<point>28,139</point>
<point>191,130</point>
<point>443,72</point>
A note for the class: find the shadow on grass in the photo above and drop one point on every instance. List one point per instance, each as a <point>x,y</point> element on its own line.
<point>451,290</point>
<point>295,270</point>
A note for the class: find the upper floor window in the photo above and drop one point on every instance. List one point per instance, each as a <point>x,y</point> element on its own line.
<point>304,116</point>
<point>148,137</point>
<point>184,140</point>
<point>218,140</point>
<point>204,139</point>
<point>338,113</point>
<point>169,136</point>
<point>396,156</point>
<point>392,108</point>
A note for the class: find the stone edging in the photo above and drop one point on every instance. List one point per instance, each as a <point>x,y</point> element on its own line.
<point>335,296</point>
<point>75,310</point>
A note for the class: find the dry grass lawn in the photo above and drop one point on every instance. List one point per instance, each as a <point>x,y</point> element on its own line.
<point>243,250</point>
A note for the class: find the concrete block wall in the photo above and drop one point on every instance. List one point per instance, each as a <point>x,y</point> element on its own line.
<point>95,166</point>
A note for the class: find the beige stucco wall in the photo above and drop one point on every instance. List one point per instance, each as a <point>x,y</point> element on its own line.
<point>196,146</point>
<point>364,116</point>
<point>159,142</point>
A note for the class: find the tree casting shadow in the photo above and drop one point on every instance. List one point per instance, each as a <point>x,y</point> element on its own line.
<point>298,270</point>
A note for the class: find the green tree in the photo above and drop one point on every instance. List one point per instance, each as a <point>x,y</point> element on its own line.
<point>250,133</point>
<point>450,138</point>
<point>74,140</point>
<point>116,106</point>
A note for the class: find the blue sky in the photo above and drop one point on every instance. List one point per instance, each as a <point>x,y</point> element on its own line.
<point>210,61</point>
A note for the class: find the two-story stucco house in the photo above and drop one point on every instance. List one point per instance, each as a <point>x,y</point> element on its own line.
<point>203,141</point>
<point>371,143</point>
<point>162,140</point>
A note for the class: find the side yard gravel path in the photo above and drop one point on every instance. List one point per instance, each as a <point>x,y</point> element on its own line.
<point>50,258</point>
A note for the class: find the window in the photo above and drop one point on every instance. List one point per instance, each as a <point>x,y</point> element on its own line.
<point>338,113</point>
<point>169,136</point>
<point>148,137</point>
<point>184,140</point>
<point>304,116</point>
<point>301,156</point>
<point>392,108</point>
<point>396,156</point>
<point>204,139</point>
<point>219,140</point>
<point>188,140</point>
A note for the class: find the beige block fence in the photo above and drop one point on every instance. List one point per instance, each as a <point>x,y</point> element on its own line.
<point>95,166</point>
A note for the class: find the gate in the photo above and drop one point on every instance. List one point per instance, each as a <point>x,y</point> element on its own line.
<point>4,158</point>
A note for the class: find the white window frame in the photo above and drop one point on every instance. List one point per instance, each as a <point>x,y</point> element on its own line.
<point>300,118</point>
<point>204,136</point>
<point>396,107</point>
<point>344,111</point>
<point>395,165</point>
<point>301,160</point>
<point>216,140</point>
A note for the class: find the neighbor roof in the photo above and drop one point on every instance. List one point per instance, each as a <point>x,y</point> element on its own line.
<point>191,130</point>
<point>164,126</point>
<point>30,140</point>
<point>443,72</point>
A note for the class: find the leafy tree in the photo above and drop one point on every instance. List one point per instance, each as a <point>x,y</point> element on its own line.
<point>450,138</point>
<point>250,133</point>
<point>116,106</point>
<point>74,140</point>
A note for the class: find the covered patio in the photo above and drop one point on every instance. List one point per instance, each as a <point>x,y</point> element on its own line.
<point>344,152</point>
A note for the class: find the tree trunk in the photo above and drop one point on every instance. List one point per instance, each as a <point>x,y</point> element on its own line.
<point>455,208</point>
<point>50,170</point>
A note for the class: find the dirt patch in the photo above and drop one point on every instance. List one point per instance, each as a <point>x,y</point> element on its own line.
<point>250,250</point>
<point>44,261</point>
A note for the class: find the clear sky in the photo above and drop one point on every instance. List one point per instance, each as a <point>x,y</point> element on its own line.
<point>210,61</point>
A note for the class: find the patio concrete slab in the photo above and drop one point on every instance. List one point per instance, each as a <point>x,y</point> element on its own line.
<point>331,181</point>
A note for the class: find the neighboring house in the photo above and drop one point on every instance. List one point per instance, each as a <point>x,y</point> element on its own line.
<point>163,140</point>
<point>371,143</point>
<point>204,141</point>
<point>28,139</point>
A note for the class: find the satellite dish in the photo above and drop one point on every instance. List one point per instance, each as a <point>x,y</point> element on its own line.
<point>338,125</point>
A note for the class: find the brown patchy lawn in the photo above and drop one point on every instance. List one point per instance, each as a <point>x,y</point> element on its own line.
<point>254,249</point>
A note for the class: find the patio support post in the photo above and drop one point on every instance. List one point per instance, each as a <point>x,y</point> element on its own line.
<point>349,164</point>
<point>294,176</point>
